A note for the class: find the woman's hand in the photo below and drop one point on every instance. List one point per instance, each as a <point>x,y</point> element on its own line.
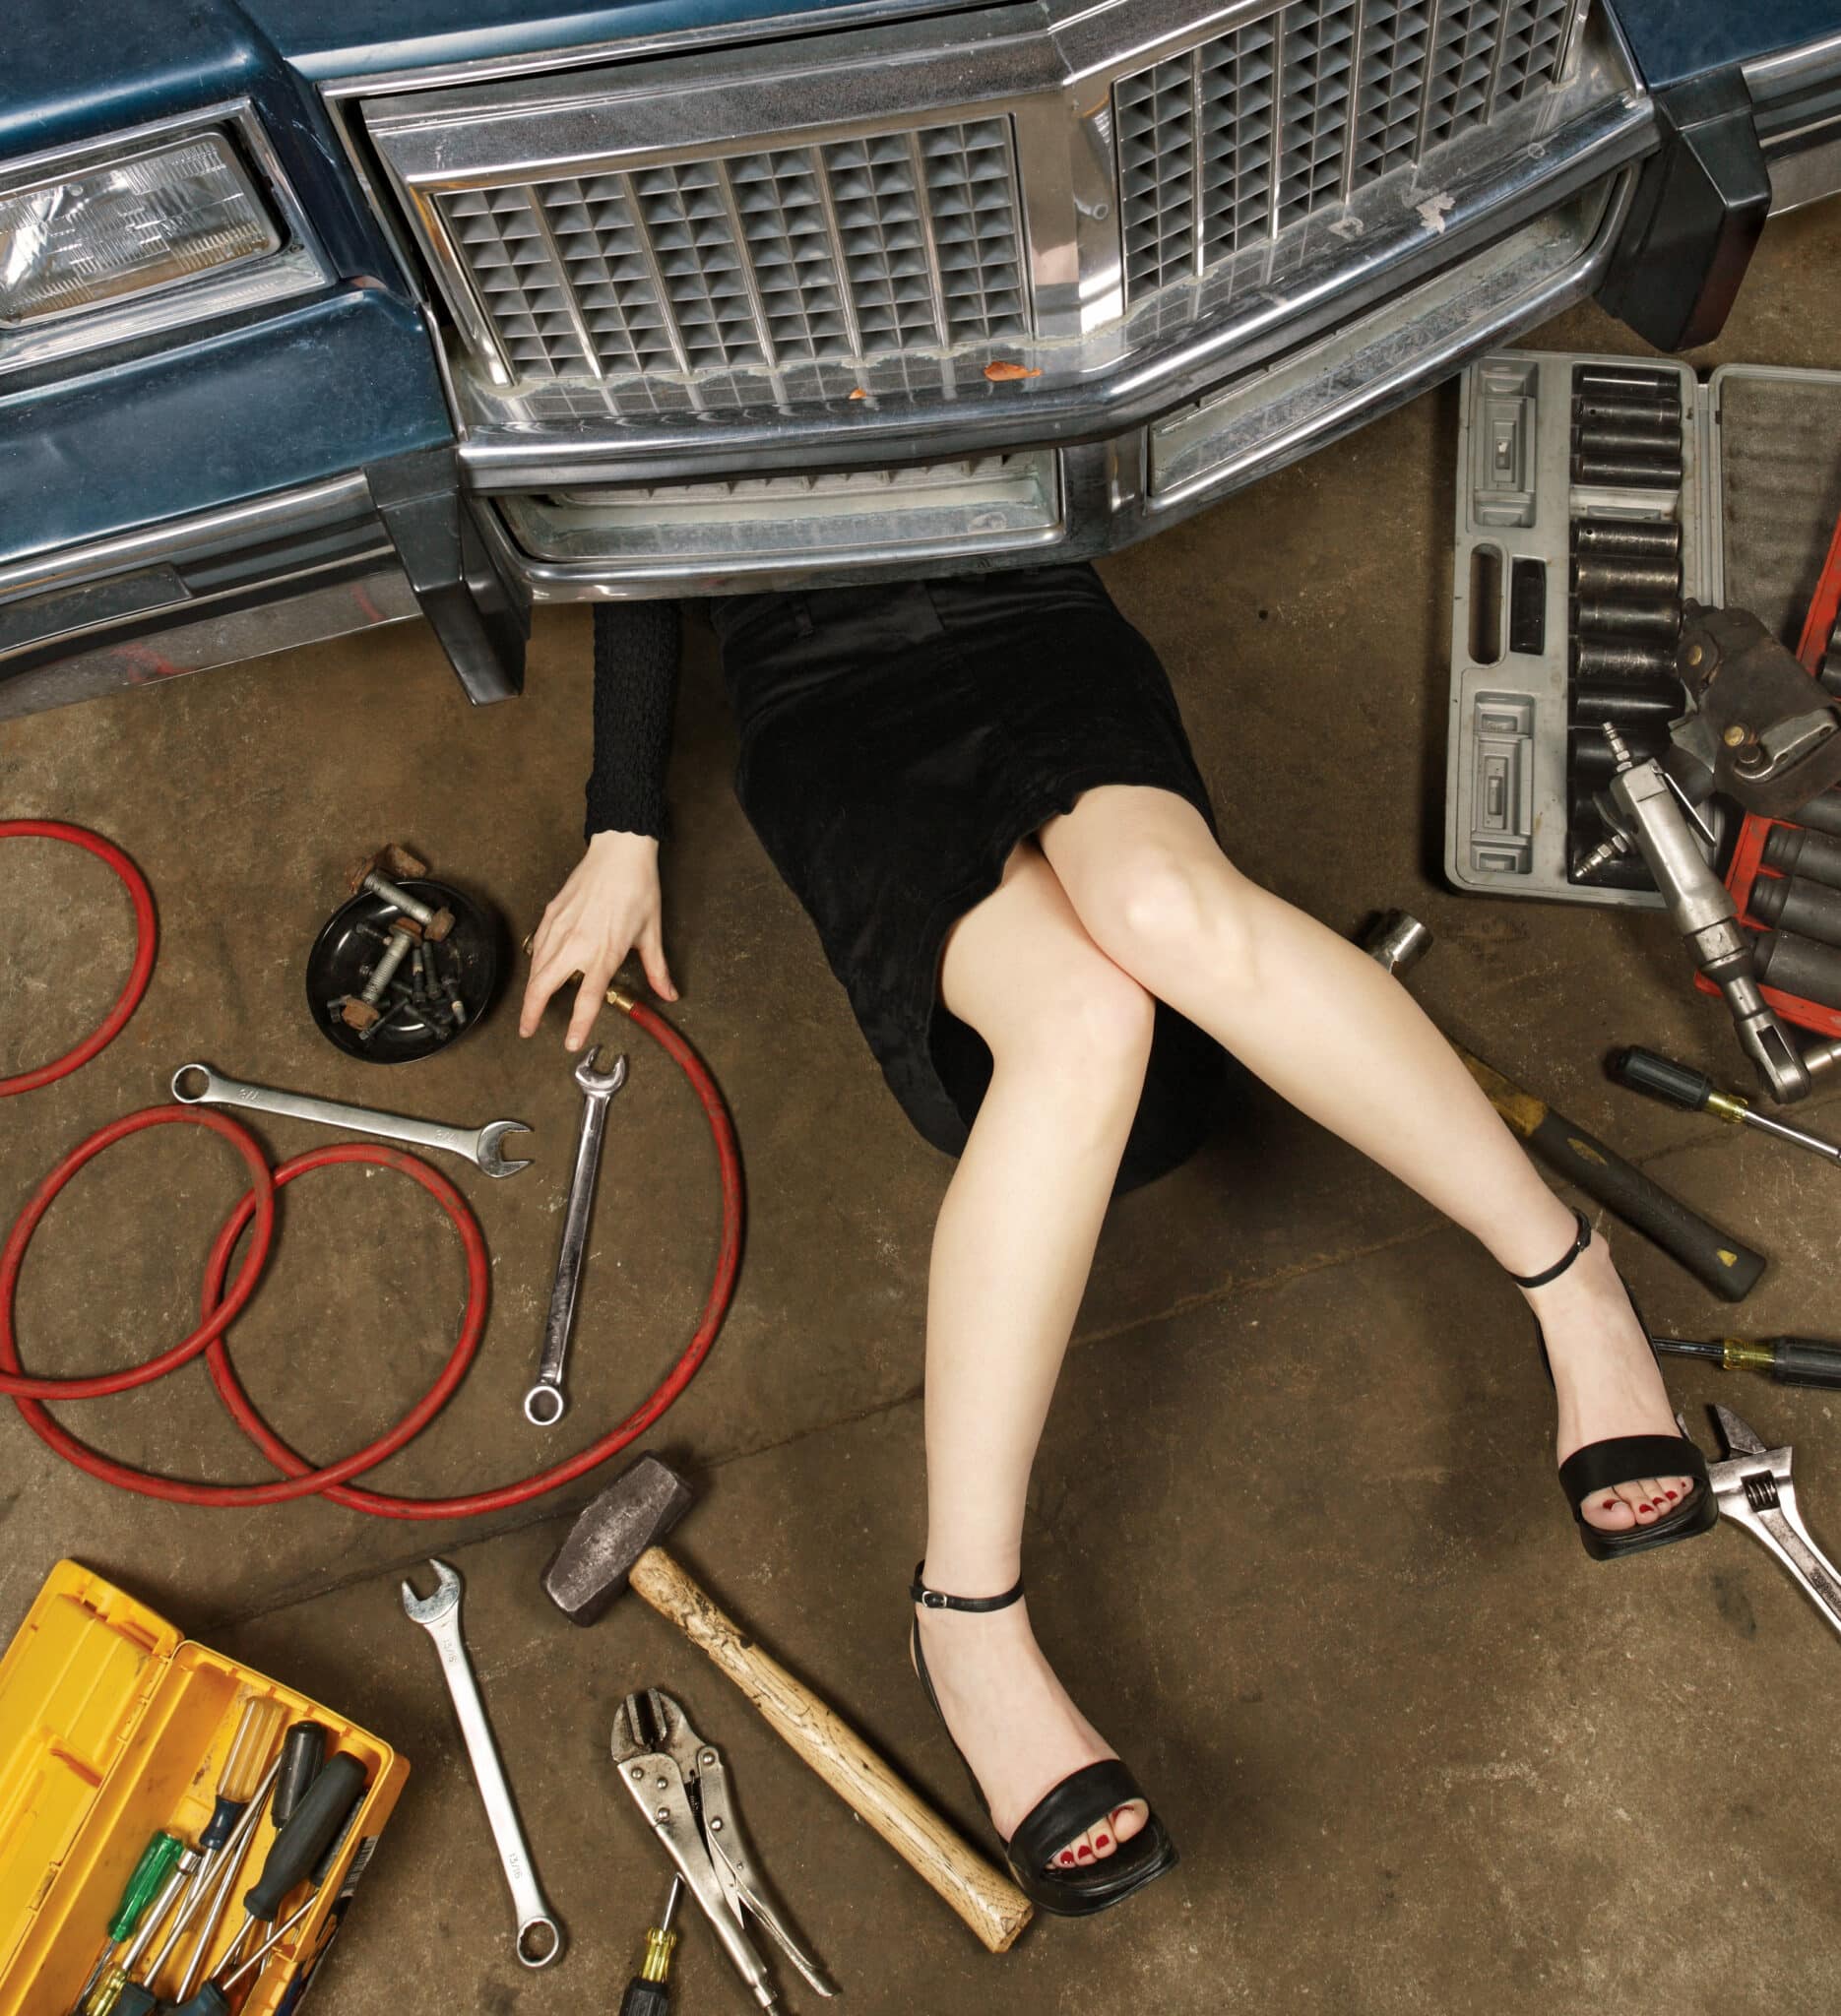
<point>609,905</point>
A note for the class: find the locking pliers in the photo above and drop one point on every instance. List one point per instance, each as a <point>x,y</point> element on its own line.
<point>681,1787</point>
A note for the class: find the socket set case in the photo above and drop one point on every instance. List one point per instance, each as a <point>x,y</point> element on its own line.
<point>1594,495</point>
<point>112,1725</point>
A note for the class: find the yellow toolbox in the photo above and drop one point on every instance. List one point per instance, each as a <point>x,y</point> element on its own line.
<point>113,1727</point>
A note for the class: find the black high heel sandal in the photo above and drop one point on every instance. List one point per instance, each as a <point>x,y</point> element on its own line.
<point>1601,1466</point>
<point>1080,1800</point>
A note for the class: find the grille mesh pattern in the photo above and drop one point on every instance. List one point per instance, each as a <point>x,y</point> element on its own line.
<point>848,249</point>
<point>1236,142</point>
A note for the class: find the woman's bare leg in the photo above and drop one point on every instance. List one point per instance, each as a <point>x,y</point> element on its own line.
<point>1069,1036</point>
<point>1327,1029</point>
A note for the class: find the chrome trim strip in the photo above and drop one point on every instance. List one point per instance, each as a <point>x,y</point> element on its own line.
<point>1777,76</point>
<point>234,524</point>
<point>355,84</point>
<point>212,639</point>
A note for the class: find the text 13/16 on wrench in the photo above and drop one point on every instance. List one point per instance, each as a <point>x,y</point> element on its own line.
<point>540,1935</point>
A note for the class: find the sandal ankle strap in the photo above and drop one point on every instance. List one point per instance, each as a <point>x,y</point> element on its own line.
<point>933,1600</point>
<point>1559,1265</point>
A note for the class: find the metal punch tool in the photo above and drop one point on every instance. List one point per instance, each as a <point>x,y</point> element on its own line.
<point>681,1787</point>
<point>1754,1488</point>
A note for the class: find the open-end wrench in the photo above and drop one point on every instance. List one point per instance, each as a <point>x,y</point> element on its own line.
<point>539,1936</point>
<point>198,1085</point>
<point>1753,1489</point>
<point>545,1402</point>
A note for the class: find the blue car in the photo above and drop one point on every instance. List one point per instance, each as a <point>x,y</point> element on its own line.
<point>315,316</point>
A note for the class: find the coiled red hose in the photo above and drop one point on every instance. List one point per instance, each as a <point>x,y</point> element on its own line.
<point>146,942</point>
<point>301,1479</point>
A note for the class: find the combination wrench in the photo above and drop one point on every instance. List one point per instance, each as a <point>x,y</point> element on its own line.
<point>540,1935</point>
<point>198,1085</point>
<point>544,1404</point>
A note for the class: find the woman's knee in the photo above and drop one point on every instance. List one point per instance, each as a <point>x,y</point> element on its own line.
<point>1150,904</point>
<point>1092,1028</point>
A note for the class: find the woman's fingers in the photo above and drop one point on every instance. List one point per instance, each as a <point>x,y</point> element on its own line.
<point>588,999</point>
<point>537,990</point>
<point>652,957</point>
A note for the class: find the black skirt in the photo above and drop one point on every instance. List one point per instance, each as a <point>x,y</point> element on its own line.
<point>895,743</point>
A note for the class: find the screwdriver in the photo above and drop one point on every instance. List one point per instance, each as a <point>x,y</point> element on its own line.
<point>149,1875</point>
<point>107,1992</point>
<point>204,1894</point>
<point>303,1754</point>
<point>212,1997</point>
<point>1676,1086</point>
<point>1790,1360</point>
<point>242,1761</point>
<point>314,1822</point>
<point>646,1994</point>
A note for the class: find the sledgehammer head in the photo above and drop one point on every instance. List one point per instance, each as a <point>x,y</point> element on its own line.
<point>635,1512</point>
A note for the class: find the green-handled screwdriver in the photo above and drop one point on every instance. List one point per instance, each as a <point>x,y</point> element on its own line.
<point>1790,1360</point>
<point>148,1876</point>
<point>646,1994</point>
<point>107,1992</point>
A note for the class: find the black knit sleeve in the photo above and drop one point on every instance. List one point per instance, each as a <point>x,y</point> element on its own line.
<point>635,693</point>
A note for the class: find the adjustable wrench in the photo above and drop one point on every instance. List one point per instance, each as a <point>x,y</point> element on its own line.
<point>544,1404</point>
<point>198,1085</point>
<point>1753,1489</point>
<point>539,1936</point>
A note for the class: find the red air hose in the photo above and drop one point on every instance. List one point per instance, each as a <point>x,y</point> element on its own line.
<point>301,1479</point>
<point>146,941</point>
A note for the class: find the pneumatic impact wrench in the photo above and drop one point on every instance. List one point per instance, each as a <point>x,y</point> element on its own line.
<point>1646,814</point>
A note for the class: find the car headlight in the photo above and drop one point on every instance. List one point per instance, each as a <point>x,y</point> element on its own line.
<point>128,227</point>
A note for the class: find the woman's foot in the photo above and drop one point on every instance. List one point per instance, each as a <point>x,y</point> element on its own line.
<point>1012,1717</point>
<point>1607,1383</point>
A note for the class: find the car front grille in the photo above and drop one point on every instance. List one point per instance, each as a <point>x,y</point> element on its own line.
<point>1234,142</point>
<point>855,247</point>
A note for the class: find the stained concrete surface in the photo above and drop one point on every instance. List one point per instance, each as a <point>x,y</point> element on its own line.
<point>1294,1541</point>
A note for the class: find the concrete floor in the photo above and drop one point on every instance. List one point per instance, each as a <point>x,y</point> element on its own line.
<point>1296,1544</point>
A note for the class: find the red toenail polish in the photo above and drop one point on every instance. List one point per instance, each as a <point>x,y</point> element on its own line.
<point>1610,1506</point>
<point>1668,1494</point>
<point>1102,1841</point>
<point>1068,1854</point>
<point>1644,1506</point>
<point>1083,1850</point>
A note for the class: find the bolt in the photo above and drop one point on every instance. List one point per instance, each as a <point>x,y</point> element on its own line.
<point>639,1771</point>
<point>662,1816</point>
<point>402,934</point>
<point>1694,654</point>
<point>1736,737</point>
<point>716,1825</point>
<point>383,1021</point>
<point>436,922</point>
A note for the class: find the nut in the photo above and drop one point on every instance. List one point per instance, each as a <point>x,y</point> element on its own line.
<point>356,1014</point>
<point>393,860</point>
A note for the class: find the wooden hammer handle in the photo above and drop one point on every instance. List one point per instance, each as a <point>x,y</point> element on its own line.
<point>989,1903</point>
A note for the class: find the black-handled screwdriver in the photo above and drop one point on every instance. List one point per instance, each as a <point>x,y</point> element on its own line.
<point>303,1754</point>
<point>1676,1086</point>
<point>1790,1360</point>
<point>314,1822</point>
<point>646,1994</point>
